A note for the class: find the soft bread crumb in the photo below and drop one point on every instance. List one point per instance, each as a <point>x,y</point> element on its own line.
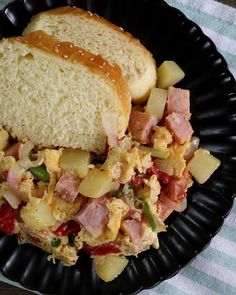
<point>53,101</point>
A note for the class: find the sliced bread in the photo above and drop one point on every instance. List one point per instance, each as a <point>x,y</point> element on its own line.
<point>55,93</point>
<point>99,36</point>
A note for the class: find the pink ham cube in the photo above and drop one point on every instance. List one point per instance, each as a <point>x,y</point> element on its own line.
<point>140,125</point>
<point>178,101</point>
<point>179,126</point>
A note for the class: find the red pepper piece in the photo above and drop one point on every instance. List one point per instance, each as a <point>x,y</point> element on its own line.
<point>69,227</point>
<point>104,249</point>
<point>7,219</point>
<point>5,174</point>
<point>162,176</point>
<point>136,181</point>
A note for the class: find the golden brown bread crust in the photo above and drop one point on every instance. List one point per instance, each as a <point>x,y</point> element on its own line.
<point>79,11</point>
<point>75,54</point>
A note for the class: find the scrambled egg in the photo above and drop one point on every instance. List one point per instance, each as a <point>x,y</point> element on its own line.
<point>51,160</point>
<point>130,161</point>
<point>63,210</point>
<point>48,196</point>
<point>7,163</point>
<point>175,164</point>
<point>161,138</point>
<point>67,254</point>
<point>153,188</point>
<point>1,155</point>
<point>4,136</point>
<point>42,238</point>
<point>113,163</point>
<point>25,189</point>
<point>117,210</point>
<point>121,164</point>
<point>146,159</point>
<point>3,187</point>
<point>149,238</point>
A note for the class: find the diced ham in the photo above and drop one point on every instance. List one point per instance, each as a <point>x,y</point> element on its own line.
<point>93,216</point>
<point>163,210</point>
<point>140,125</point>
<point>178,101</point>
<point>68,186</point>
<point>13,150</point>
<point>133,229</point>
<point>176,188</point>
<point>179,126</point>
<point>133,213</point>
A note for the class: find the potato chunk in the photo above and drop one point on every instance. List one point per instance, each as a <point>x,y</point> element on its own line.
<point>202,165</point>
<point>168,74</point>
<point>156,103</point>
<point>109,267</point>
<point>96,184</point>
<point>37,214</point>
<point>75,159</point>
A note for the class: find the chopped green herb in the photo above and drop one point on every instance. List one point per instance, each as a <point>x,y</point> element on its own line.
<point>132,186</point>
<point>149,216</point>
<point>155,153</point>
<point>72,239</point>
<point>31,158</point>
<point>40,173</point>
<point>116,192</point>
<point>56,242</point>
<point>133,138</point>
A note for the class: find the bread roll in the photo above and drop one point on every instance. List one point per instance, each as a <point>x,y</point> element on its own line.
<point>55,93</point>
<point>99,36</point>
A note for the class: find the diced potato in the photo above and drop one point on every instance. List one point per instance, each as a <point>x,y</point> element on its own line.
<point>168,74</point>
<point>202,165</point>
<point>156,103</point>
<point>96,184</point>
<point>4,136</point>
<point>75,159</point>
<point>63,210</point>
<point>37,214</point>
<point>110,266</point>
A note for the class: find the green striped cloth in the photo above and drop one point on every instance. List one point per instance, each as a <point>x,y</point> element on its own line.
<point>214,270</point>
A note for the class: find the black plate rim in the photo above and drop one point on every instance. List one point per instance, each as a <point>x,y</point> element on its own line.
<point>229,74</point>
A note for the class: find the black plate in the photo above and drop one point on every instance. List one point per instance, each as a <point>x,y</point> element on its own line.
<point>168,34</point>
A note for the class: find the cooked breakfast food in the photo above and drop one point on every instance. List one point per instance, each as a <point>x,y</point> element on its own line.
<point>99,36</point>
<point>80,169</point>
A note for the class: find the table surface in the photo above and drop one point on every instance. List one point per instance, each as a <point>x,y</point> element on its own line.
<point>10,290</point>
